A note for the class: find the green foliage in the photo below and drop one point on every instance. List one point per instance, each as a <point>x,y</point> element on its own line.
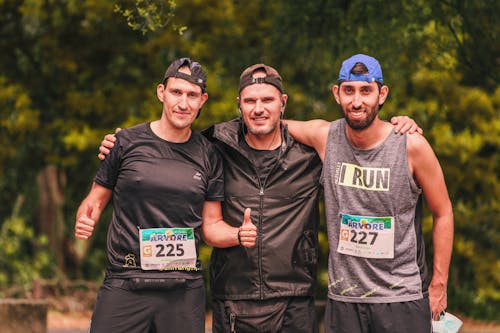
<point>477,48</point>
<point>149,15</point>
<point>475,278</point>
<point>24,256</point>
<point>19,121</point>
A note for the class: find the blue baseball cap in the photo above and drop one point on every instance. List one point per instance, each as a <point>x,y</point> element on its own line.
<point>374,70</point>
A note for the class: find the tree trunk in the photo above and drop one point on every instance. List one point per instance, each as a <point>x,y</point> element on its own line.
<point>50,217</point>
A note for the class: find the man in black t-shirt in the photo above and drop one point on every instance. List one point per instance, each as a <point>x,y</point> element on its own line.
<point>167,185</point>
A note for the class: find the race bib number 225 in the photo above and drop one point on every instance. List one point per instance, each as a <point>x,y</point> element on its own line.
<point>167,249</point>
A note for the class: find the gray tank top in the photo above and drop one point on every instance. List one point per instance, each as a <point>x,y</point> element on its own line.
<point>370,199</point>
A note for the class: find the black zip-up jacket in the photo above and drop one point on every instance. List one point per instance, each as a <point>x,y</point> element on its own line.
<point>285,210</point>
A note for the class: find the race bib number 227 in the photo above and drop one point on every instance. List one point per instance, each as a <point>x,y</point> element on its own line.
<point>366,236</point>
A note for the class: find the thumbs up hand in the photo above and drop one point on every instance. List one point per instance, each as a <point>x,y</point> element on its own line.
<point>84,225</point>
<point>247,233</point>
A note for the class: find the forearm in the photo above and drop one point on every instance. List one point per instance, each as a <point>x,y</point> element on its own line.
<point>89,211</point>
<point>442,236</point>
<point>95,202</point>
<point>220,234</point>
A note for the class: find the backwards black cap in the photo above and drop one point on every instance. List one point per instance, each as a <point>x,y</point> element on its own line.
<point>197,76</point>
<point>272,77</point>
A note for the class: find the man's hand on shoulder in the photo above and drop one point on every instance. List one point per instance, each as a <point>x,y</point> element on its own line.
<point>405,124</point>
<point>107,143</point>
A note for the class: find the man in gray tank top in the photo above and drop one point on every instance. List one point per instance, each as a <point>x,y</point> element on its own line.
<point>372,179</point>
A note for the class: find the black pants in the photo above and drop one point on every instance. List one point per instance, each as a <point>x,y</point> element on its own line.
<point>297,315</point>
<point>119,309</point>
<point>411,316</point>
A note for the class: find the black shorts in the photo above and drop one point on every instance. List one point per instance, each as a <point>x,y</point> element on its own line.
<point>283,315</point>
<point>119,308</point>
<point>411,316</point>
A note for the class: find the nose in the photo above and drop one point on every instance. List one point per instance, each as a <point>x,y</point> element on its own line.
<point>356,101</point>
<point>259,106</point>
<point>183,101</point>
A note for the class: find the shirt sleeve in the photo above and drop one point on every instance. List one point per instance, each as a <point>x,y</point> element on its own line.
<point>215,189</point>
<point>107,174</point>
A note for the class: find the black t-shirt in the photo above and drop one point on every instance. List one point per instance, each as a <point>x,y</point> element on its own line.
<point>156,184</point>
<point>263,160</point>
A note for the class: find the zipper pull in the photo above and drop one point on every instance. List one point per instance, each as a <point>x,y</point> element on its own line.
<point>261,191</point>
<point>232,322</point>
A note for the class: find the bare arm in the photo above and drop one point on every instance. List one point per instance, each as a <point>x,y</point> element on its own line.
<point>429,175</point>
<point>313,133</point>
<point>216,232</point>
<point>90,210</point>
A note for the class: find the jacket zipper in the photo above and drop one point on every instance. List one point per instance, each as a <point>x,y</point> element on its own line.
<point>232,322</point>
<point>259,221</point>
<point>261,209</point>
<point>261,195</point>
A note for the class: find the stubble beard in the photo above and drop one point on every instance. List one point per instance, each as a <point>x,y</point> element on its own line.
<point>261,131</point>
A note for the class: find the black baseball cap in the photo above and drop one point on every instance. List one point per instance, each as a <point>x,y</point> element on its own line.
<point>272,77</point>
<point>197,76</point>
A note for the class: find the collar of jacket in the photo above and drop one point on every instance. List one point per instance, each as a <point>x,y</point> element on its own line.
<point>231,132</point>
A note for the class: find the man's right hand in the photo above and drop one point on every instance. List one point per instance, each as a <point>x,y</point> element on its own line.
<point>84,224</point>
<point>247,233</point>
<point>106,144</point>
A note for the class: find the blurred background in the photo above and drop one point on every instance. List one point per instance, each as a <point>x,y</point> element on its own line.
<point>73,70</point>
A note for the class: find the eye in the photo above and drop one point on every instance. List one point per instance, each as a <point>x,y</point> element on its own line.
<point>366,90</point>
<point>348,90</point>
<point>268,100</point>
<point>249,101</point>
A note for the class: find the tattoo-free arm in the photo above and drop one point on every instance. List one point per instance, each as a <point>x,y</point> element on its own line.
<point>90,210</point>
<point>429,175</point>
<point>216,232</point>
<point>313,133</point>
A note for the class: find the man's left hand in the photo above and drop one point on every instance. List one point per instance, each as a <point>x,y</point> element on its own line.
<point>405,124</point>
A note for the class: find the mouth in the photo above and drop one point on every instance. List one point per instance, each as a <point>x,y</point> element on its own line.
<point>182,114</point>
<point>356,114</point>
<point>259,120</point>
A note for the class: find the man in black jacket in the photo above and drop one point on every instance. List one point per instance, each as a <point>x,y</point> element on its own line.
<point>269,288</point>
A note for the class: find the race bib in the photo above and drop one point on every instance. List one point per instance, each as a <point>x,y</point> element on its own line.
<point>167,249</point>
<point>366,236</point>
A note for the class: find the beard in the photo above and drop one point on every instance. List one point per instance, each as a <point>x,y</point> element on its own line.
<point>362,123</point>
